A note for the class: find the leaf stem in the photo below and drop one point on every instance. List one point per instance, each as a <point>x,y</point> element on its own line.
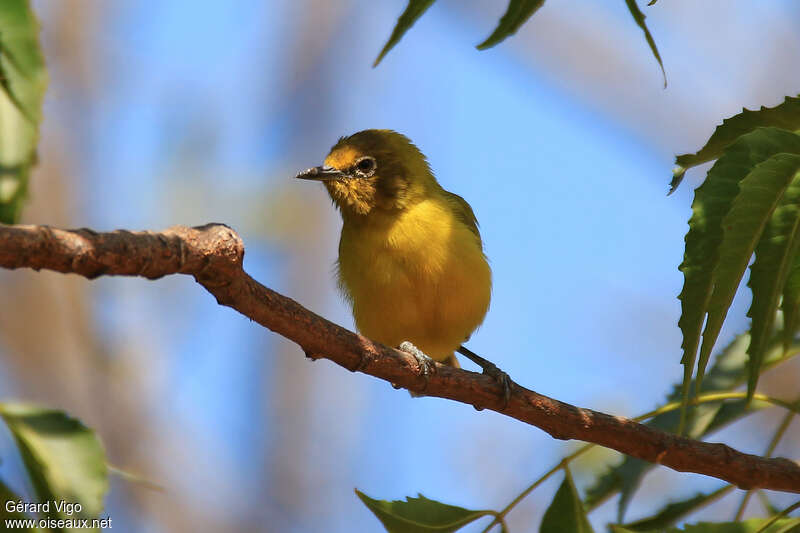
<point>719,396</point>
<point>777,517</point>
<point>562,464</point>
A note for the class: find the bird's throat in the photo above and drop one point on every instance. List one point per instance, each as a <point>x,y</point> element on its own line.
<point>353,196</point>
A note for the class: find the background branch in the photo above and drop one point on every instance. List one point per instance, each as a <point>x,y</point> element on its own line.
<point>213,255</point>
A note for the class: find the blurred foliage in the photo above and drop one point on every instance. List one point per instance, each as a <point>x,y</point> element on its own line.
<point>727,373</point>
<point>517,13</point>
<point>675,511</point>
<point>755,525</point>
<point>63,458</point>
<point>23,80</point>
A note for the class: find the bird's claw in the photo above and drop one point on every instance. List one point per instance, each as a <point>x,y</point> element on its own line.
<point>504,380</point>
<point>427,366</point>
<point>491,370</point>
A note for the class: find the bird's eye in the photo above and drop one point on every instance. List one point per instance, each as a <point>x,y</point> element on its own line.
<point>366,165</point>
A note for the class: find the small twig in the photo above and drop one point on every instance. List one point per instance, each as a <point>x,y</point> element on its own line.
<point>213,254</point>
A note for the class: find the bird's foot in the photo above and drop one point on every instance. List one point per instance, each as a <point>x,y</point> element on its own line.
<point>427,366</point>
<point>491,370</point>
<point>502,378</point>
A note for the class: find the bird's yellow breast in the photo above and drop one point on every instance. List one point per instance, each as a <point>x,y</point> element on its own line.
<point>418,276</point>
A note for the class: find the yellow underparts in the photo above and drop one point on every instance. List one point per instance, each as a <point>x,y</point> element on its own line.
<point>420,277</point>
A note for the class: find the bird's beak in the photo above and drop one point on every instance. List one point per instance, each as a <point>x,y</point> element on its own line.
<point>320,174</point>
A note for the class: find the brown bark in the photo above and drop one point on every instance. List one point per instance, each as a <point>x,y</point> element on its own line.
<point>213,255</point>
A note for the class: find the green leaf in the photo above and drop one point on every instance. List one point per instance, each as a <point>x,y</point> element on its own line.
<point>639,17</point>
<point>675,511</point>
<point>414,10</point>
<point>760,193</point>
<point>748,526</point>
<point>63,458</point>
<point>776,253</point>
<point>420,515</point>
<point>516,14</point>
<point>785,116</point>
<point>566,512</point>
<point>790,306</point>
<point>712,202</point>
<point>23,80</point>
<point>727,373</point>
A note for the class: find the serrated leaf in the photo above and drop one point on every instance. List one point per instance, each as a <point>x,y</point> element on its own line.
<point>63,458</point>
<point>775,255</point>
<point>639,17</point>
<point>413,11</point>
<point>712,202</point>
<point>516,14</point>
<point>727,373</point>
<point>566,512</point>
<point>760,193</point>
<point>753,525</point>
<point>675,511</point>
<point>785,116</point>
<point>23,80</point>
<point>420,515</point>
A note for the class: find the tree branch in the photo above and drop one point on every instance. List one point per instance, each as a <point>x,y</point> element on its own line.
<point>213,255</point>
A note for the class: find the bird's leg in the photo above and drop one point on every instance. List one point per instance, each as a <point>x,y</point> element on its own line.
<point>427,366</point>
<point>490,369</point>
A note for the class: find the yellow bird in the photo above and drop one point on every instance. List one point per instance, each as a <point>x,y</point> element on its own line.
<point>411,261</point>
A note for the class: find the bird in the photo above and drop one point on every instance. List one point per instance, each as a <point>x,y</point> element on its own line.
<point>411,260</point>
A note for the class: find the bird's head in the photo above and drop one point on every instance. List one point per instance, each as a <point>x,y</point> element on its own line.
<point>372,171</point>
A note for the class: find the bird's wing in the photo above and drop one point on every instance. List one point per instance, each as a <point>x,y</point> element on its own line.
<point>463,212</point>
